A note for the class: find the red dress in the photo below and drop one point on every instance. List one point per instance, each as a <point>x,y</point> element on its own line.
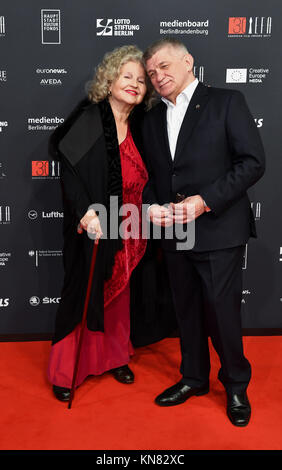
<point>102,351</point>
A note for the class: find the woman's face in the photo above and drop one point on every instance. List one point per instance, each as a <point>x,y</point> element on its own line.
<point>130,86</point>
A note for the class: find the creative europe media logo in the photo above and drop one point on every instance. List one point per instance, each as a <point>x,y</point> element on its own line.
<point>244,75</point>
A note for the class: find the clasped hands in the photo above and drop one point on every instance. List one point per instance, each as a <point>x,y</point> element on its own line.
<point>182,212</point>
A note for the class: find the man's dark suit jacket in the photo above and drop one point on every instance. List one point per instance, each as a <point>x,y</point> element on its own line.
<point>219,155</point>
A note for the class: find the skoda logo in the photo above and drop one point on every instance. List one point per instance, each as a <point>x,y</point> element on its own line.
<point>34,301</point>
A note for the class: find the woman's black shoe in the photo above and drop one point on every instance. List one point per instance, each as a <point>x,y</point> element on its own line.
<point>61,393</point>
<point>123,374</point>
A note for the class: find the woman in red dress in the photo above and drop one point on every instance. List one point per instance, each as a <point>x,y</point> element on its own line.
<point>99,160</point>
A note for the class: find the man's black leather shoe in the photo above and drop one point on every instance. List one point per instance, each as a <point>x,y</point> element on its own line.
<point>179,393</point>
<point>238,408</point>
<point>123,374</point>
<point>61,393</point>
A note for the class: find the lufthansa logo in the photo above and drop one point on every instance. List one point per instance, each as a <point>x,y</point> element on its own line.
<point>32,215</point>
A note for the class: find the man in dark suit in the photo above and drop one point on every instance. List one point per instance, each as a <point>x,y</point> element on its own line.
<point>202,150</point>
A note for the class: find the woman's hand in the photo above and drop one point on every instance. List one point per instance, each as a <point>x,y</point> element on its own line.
<point>91,223</point>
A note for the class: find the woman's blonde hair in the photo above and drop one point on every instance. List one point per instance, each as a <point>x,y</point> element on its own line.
<point>109,69</point>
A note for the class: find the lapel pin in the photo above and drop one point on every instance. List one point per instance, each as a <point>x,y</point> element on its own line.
<point>198,106</point>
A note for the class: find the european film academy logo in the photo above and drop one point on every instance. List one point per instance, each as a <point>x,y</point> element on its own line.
<point>45,169</point>
<point>255,26</point>
<point>51,26</point>
<point>115,27</point>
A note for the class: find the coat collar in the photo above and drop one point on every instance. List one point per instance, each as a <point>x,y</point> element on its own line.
<point>162,130</point>
<point>191,118</point>
<point>82,134</point>
<point>84,127</point>
<point>186,94</point>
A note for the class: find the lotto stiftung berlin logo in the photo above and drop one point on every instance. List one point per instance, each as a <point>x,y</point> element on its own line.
<point>107,29</point>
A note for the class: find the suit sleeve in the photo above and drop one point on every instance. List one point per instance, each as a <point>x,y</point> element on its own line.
<point>248,159</point>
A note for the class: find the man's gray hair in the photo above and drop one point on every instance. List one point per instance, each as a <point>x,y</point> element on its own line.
<point>157,45</point>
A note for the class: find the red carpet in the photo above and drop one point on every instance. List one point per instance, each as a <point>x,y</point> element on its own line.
<point>108,415</point>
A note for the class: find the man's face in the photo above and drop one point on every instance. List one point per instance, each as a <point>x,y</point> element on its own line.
<point>170,71</point>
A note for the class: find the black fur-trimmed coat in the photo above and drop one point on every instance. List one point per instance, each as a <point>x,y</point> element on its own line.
<point>86,145</point>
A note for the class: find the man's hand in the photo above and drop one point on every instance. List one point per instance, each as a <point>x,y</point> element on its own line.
<point>188,210</point>
<point>160,215</point>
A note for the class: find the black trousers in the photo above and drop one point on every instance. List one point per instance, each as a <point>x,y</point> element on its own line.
<point>207,292</point>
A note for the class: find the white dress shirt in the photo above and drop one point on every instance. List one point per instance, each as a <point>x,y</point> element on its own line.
<point>176,112</point>
<point>175,115</point>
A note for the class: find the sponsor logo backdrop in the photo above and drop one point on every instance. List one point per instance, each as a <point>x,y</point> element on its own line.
<point>48,54</point>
